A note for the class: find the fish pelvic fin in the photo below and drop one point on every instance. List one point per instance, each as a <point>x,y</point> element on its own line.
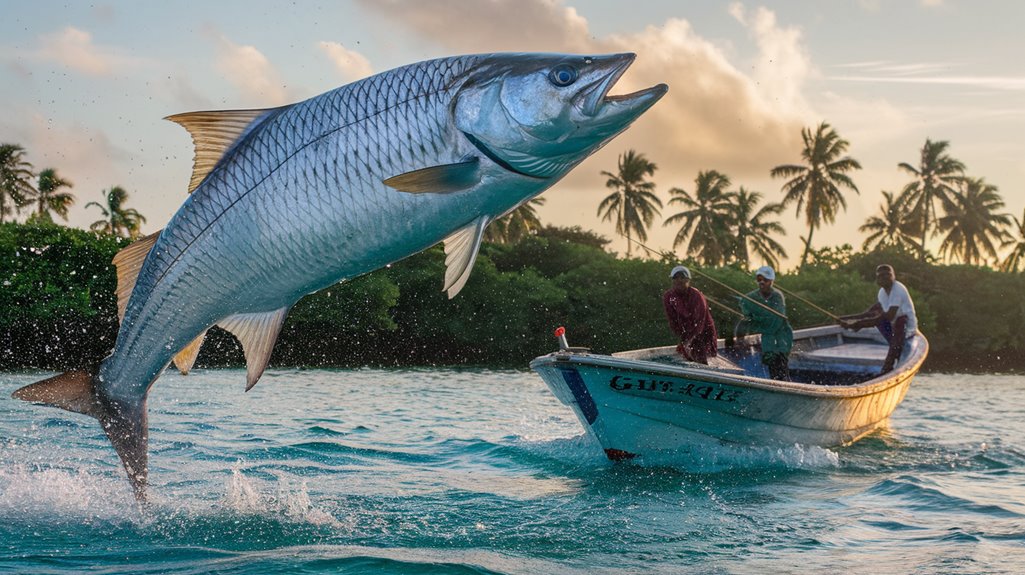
<point>214,133</point>
<point>443,179</point>
<point>128,263</point>
<point>124,423</point>
<point>257,332</point>
<point>186,358</point>
<point>461,249</point>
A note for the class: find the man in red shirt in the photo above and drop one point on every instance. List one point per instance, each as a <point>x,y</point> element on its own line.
<point>689,318</point>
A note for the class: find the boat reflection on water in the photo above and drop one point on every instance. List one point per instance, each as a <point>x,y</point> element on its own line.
<point>651,401</point>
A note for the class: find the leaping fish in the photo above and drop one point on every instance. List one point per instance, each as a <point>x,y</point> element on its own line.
<point>290,200</point>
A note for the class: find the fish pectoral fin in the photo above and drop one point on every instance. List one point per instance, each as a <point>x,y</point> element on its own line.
<point>214,133</point>
<point>186,358</point>
<point>257,333</point>
<point>443,179</point>
<point>460,252</point>
<point>128,263</point>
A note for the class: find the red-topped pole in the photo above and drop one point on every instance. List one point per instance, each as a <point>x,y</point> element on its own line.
<point>560,332</point>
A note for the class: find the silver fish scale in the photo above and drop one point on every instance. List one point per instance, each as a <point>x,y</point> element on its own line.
<point>287,210</point>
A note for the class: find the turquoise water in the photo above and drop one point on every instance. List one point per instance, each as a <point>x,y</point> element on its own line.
<point>458,471</point>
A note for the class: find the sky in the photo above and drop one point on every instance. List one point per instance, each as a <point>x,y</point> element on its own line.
<point>85,86</point>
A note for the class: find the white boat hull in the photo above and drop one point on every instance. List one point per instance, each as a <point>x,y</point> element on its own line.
<point>634,406</point>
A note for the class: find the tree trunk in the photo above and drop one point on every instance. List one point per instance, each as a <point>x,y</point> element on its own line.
<point>925,231</point>
<point>807,245</point>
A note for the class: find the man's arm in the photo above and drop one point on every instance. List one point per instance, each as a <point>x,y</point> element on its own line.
<point>869,320</point>
<point>674,323</point>
<point>872,312</point>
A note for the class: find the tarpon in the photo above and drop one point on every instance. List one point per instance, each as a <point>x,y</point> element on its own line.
<point>287,201</point>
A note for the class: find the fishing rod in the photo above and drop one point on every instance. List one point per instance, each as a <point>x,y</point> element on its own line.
<point>707,298</point>
<point>713,280</point>
<point>790,293</point>
<point>724,306</point>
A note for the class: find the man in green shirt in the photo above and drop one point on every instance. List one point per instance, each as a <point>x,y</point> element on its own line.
<point>777,335</point>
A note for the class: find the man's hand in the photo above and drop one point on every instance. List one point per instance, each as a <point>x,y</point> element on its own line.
<point>684,350</point>
<point>850,324</point>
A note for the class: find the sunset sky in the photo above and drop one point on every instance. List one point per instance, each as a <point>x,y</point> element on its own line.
<point>85,85</point>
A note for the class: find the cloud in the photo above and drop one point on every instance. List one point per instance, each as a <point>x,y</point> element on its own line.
<point>246,68</point>
<point>782,64</point>
<point>86,156</point>
<point>490,25</point>
<point>930,73</point>
<point>896,68</point>
<point>1003,83</point>
<point>712,110</point>
<point>714,117</point>
<point>183,94</point>
<point>351,64</point>
<point>74,49</point>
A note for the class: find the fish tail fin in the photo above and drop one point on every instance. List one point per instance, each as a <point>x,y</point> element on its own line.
<point>124,423</point>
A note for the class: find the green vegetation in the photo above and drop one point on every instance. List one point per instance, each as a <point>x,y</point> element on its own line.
<point>934,180</point>
<point>49,198</point>
<point>117,219</point>
<point>15,179</point>
<point>633,205</point>
<point>815,185</point>
<point>57,307</point>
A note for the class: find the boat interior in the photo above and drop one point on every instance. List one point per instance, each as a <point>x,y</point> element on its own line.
<point>827,355</point>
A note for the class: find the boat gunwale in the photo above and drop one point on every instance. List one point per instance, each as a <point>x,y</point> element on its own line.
<point>901,374</point>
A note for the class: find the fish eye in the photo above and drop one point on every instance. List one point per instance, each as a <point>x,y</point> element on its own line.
<point>563,75</point>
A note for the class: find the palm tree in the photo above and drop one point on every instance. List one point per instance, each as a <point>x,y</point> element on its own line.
<point>754,232</point>
<point>634,204</point>
<point>970,223</point>
<point>15,179</point>
<point>894,225</point>
<point>935,179</point>
<point>49,198</point>
<point>516,225</point>
<point>815,185</point>
<point>706,217</point>
<point>117,219</point>
<point>1016,242</point>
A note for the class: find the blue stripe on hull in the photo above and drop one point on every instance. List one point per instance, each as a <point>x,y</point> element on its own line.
<point>580,393</point>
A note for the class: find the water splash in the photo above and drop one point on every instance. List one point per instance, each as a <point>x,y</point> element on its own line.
<point>244,496</point>
<point>717,457</point>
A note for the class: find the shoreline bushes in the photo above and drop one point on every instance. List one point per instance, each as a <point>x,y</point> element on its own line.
<point>58,311</point>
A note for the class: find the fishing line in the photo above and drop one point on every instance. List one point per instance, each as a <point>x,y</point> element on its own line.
<point>713,280</point>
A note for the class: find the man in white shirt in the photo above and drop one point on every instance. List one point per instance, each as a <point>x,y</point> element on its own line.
<point>893,314</point>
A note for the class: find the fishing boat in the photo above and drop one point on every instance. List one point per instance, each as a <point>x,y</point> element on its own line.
<point>649,401</point>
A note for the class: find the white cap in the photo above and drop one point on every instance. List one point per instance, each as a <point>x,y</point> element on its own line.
<point>679,269</point>
<point>766,272</point>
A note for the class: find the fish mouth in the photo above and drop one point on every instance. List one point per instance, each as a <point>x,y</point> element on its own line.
<point>595,99</point>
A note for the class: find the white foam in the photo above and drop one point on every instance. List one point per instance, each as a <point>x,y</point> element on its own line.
<point>716,457</point>
<point>69,492</point>
<point>243,495</point>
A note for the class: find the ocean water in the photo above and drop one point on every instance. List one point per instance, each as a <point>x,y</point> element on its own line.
<point>473,471</point>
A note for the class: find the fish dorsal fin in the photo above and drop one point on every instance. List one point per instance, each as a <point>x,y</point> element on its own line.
<point>213,133</point>
<point>257,333</point>
<point>186,358</point>
<point>128,262</point>
<point>443,179</point>
<point>460,252</point>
